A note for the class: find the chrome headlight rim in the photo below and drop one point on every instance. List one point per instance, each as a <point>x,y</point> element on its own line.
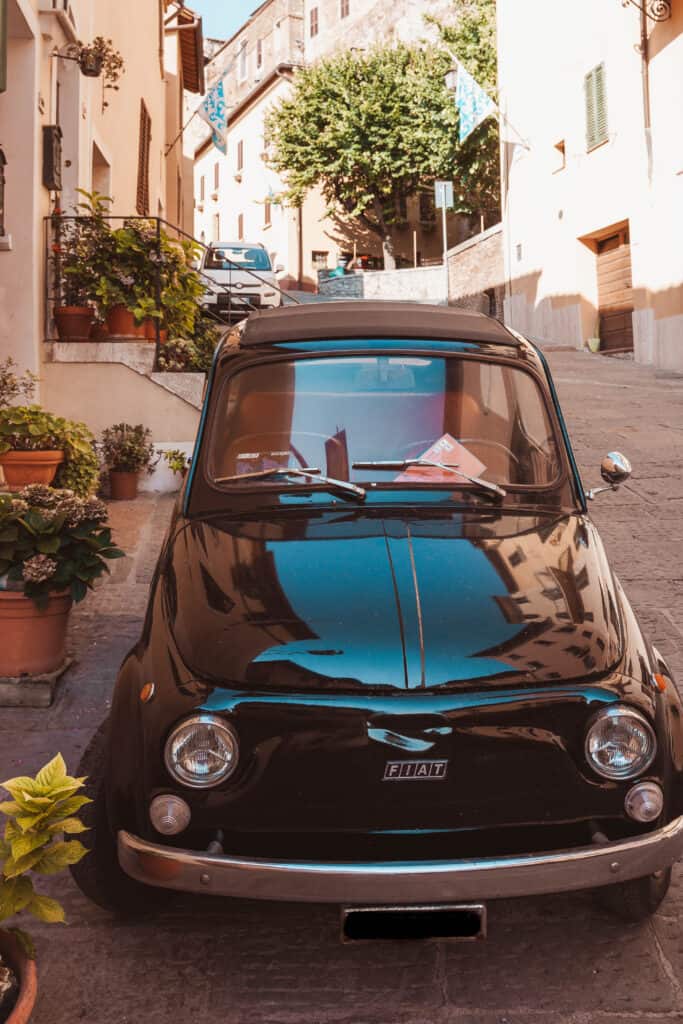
<point>184,778</point>
<point>621,711</point>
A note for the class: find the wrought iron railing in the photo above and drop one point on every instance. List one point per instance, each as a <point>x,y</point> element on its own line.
<point>157,232</point>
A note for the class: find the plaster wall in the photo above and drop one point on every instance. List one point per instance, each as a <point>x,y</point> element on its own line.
<point>552,205</point>
<point>113,393</point>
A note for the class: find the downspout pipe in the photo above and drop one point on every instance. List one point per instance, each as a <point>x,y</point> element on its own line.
<point>647,107</point>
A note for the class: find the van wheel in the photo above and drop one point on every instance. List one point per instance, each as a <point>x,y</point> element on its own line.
<point>637,899</point>
<point>98,875</point>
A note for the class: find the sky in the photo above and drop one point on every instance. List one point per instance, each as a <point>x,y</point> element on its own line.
<point>222,18</point>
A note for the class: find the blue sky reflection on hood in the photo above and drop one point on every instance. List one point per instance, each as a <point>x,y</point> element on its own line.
<point>342,590</point>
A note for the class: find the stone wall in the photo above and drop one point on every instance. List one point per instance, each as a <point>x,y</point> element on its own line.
<point>416,284</point>
<point>476,273</point>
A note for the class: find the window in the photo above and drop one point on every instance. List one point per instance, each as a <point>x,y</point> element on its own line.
<point>344,7</point>
<point>319,260</point>
<point>259,53</point>
<point>242,61</point>
<point>225,257</point>
<point>240,155</point>
<point>216,226</point>
<point>144,144</point>
<point>202,189</point>
<point>595,90</point>
<point>314,22</point>
<point>240,227</point>
<point>560,156</point>
<point>216,176</point>
<point>267,213</point>
<point>335,411</point>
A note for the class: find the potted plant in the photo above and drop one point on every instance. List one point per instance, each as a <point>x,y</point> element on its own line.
<point>79,248</point>
<point>41,814</point>
<point>100,58</point>
<point>177,461</point>
<point>126,451</point>
<point>53,546</point>
<point>37,447</point>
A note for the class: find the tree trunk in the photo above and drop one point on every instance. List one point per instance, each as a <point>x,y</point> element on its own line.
<point>388,252</point>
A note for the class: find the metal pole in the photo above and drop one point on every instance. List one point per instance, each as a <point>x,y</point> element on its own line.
<point>414,248</point>
<point>445,232</point>
<point>3,45</point>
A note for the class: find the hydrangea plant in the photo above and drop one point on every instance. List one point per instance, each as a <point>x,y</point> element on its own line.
<point>53,541</point>
<point>41,813</point>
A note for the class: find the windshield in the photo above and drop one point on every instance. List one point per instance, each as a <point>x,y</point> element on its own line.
<point>239,257</point>
<point>487,419</point>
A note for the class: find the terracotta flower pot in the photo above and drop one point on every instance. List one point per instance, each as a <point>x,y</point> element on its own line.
<point>151,332</point>
<point>121,322</point>
<point>99,332</point>
<point>25,969</point>
<point>74,322</point>
<point>124,486</point>
<point>22,468</point>
<point>32,640</point>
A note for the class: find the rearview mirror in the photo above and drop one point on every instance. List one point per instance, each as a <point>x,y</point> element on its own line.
<point>615,469</point>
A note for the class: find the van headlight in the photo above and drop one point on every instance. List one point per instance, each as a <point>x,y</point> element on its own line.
<point>201,751</point>
<point>620,743</point>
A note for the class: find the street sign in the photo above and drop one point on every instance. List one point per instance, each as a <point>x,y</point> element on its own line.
<point>443,195</point>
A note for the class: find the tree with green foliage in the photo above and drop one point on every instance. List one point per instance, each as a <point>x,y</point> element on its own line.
<point>369,129</point>
<point>472,39</point>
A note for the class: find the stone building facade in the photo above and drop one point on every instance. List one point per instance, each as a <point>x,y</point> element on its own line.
<point>102,147</point>
<point>237,195</point>
<point>593,173</point>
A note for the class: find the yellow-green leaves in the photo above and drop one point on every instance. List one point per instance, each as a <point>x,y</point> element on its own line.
<point>41,812</point>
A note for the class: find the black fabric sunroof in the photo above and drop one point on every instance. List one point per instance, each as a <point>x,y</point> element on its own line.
<point>362,319</point>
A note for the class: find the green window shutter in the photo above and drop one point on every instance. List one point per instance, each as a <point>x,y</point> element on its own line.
<point>595,89</point>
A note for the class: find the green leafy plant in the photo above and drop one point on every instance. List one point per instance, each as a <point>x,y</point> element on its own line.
<point>368,129</point>
<point>41,813</point>
<point>472,39</point>
<point>176,460</point>
<point>193,355</point>
<point>128,449</point>
<point>14,385</point>
<point>31,428</point>
<point>53,541</point>
<point>81,247</point>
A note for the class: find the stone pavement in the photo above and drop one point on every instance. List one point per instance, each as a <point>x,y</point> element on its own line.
<point>555,960</point>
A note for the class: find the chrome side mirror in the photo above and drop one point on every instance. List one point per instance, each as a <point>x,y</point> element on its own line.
<point>615,469</point>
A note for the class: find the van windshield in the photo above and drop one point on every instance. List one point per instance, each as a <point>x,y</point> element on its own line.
<point>238,257</point>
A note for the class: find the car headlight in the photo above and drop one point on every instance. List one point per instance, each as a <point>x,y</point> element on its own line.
<point>201,751</point>
<point>620,743</point>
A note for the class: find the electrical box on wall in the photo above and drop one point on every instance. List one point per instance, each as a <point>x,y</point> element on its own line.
<point>52,157</point>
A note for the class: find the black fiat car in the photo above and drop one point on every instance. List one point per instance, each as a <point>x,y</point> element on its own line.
<point>385,662</point>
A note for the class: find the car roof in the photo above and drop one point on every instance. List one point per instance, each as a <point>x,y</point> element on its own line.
<point>236,245</point>
<point>318,321</point>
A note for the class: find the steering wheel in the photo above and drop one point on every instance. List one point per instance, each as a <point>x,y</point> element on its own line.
<point>490,444</point>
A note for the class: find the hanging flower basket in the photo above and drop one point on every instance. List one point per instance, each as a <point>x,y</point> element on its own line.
<point>90,63</point>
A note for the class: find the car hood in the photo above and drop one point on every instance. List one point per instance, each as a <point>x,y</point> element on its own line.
<point>396,604</point>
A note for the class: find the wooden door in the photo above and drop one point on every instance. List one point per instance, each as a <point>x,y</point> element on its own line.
<point>615,291</point>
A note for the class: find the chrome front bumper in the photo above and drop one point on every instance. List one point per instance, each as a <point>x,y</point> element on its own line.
<point>401,881</point>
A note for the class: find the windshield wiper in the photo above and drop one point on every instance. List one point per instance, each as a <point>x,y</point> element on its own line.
<point>343,487</point>
<point>408,463</point>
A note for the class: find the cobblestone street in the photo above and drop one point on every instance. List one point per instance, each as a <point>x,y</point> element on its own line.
<point>551,960</point>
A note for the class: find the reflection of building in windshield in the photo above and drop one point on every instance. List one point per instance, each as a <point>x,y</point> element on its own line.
<point>557,592</point>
